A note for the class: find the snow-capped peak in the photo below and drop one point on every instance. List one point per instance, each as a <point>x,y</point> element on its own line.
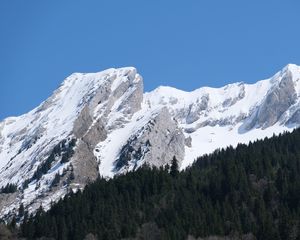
<point>103,123</point>
<point>37,142</point>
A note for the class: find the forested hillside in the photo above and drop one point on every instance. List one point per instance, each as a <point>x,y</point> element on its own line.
<point>252,189</point>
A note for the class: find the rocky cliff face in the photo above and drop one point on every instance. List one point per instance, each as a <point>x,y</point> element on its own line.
<point>103,123</point>
<point>57,139</point>
<point>277,101</point>
<point>156,143</point>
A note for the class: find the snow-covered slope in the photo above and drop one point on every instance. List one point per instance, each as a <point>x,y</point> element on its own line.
<point>58,137</point>
<point>102,123</point>
<point>218,117</point>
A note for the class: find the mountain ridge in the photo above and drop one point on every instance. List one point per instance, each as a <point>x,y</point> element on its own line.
<point>103,123</point>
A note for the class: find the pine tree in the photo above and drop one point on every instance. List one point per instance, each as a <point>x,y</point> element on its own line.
<point>221,194</point>
<point>56,180</point>
<point>13,223</point>
<point>174,167</point>
<point>21,210</point>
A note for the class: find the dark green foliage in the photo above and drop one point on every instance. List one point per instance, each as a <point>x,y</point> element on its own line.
<point>25,183</point>
<point>13,223</point>
<point>128,153</point>
<point>251,189</point>
<point>9,188</point>
<point>21,210</point>
<point>174,167</point>
<point>72,176</point>
<point>56,180</point>
<point>44,167</point>
<point>65,157</point>
<point>64,150</point>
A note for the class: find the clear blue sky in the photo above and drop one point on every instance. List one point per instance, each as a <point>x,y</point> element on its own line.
<point>185,44</point>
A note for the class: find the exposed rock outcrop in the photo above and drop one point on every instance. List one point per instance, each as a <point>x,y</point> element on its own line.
<point>188,141</point>
<point>155,144</point>
<point>277,101</point>
<point>295,119</point>
<point>103,123</point>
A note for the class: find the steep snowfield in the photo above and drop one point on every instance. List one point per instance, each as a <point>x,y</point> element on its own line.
<point>233,104</point>
<point>108,150</point>
<point>104,110</point>
<point>219,122</point>
<point>208,139</point>
<point>27,141</point>
<point>295,71</point>
<point>178,100</point>
<point>49,123</point>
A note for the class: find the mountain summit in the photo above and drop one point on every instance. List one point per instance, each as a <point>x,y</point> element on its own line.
<point>103,124</point>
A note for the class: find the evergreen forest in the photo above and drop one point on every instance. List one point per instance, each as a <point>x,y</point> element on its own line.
<point>251,190</point>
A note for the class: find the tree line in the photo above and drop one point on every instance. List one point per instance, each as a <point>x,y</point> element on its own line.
<point>252,189</point>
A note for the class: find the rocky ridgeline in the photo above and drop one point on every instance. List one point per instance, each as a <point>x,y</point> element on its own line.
<point>103,123</point>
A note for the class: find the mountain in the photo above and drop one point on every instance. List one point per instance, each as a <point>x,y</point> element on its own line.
<point>247,193</point>
<point>103,123</point>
